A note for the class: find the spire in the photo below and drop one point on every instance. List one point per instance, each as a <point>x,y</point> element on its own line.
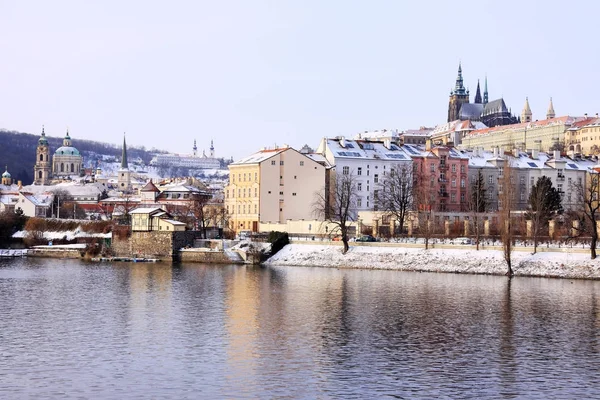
<point>43,141</point>
<point>526,113</point>
<point>124,164</point>
<point>478,94</point>
<point>195,148</point>
<point>550,113</point>
<point>485,92</point>
<point>67,139</point>
<point>459,88</point>
<point>212,149</point>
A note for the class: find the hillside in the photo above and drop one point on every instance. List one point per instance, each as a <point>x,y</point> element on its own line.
<point>18,152</point>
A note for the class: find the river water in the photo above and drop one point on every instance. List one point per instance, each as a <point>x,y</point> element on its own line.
<point>122,331</point>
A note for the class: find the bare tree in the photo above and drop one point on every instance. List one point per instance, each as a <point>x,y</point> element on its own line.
<point>478,204</point>
<point>424,201</point>
<point>395,195</point>
<point>587,196</point>
<point>507,195</point>
<point>337,203</point>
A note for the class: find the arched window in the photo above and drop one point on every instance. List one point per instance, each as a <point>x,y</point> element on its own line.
<point>72,167</point>
<point>41,157</point>
<point>62,167</point>
<point>40,174</point>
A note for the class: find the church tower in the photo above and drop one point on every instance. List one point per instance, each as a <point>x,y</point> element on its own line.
<point>6,178</point>
<point>212,149</point>
<point>478,94</point>
<point>124,178</point>
<point>458,97</point>
<point>485,92</point>
<point>550,113</point>
<point>42,168</point>
<point>195,148</point>
<point>526,113</point>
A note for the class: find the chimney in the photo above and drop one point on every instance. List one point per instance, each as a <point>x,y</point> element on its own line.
<point>495,151</point>
<point>343,141</point>
<point>556,154</point>
<point>534,154</point>
<point>585,115</point>
<point>428,144</point>
<point>20,184</point>
<point>596,115</point>
<point>516,152</point>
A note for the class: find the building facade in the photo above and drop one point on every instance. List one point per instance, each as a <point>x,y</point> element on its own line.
<point>272,186</point>
<point>67,160</point>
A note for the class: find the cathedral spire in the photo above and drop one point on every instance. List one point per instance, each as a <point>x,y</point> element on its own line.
<point>485,92</point>
<point>459,88</point>
<point>212,149</point>
<point>124,164</point>
<point>550,113</point>
<point>195,148</point>
<point>526,113</point>
<point>478,94</point>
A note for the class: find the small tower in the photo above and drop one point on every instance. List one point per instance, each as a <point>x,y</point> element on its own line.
<point>477,94</point>
<point>212,149</point>
<point>550,113</point>
<point>526,113</point>
<point>124,178</point>
<point>458,97</point>
<point>195,148</point>
<point>42,168</point>
<point>485,92</point>
<point>67,139</point>
<point>6,178</point>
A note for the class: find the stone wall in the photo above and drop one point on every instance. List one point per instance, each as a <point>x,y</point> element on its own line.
<point>207,257</point>
<point>162,245</point>
<point>56,253</point>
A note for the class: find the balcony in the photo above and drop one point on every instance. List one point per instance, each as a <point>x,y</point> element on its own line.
<point>443,194</point>
<point>443,167</point>
<point>560,178</point>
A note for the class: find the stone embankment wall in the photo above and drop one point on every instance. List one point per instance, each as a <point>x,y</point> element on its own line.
<point>163,245</point>
<point>56,253</point>
<point>207,257</point>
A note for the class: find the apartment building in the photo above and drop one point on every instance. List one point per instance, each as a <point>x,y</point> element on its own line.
<point>272,186</point>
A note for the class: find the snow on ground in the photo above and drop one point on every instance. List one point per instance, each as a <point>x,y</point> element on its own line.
<point>568,264</point>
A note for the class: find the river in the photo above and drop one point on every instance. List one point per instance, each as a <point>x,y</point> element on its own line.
<point>124,331</point>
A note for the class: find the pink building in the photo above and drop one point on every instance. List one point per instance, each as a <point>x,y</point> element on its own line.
<point>441,173</point>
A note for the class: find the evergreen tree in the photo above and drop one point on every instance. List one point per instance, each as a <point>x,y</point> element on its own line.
<point>544,203</point>
<point>478,194</point>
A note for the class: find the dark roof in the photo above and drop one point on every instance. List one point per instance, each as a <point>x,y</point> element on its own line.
<point>495,106</point>
<point>470,111</point>
<point>150,187</point>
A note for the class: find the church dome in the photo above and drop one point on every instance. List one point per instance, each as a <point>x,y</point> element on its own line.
<point>66,151</point>
<point>6,174</point>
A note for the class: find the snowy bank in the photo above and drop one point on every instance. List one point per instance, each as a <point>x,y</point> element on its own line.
<point>565,264</point>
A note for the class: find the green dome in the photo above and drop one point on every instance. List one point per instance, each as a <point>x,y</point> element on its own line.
<point>6,174</point>
<point>43,141</point>
<point>66,151</point>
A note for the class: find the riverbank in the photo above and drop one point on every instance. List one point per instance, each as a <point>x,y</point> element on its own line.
<point>571,264</point>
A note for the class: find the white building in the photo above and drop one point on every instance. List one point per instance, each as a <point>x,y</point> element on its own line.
<point>370,161</point>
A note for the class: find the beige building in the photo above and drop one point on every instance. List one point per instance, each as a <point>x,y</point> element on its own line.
<point>272,186</point>
<point>583,137</point>
<point>154,219</point>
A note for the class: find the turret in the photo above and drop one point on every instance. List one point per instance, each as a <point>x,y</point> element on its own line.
<point>212,149</point>
<point>478,94</point>
<point>550,113</point>
<point>485,92</point>
<point>67,139</point>
<point>526,113</point>
<point>195,149</point>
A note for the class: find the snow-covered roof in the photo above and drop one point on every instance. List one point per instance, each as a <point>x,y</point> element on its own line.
<point>260,156</point>
<point>367,149</point>
<point>146,210</point>
<point>173,222</point>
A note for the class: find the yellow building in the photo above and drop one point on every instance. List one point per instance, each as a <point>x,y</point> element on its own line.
<point>154,219</point>
<point>584,136</point>
<point>272,186</point>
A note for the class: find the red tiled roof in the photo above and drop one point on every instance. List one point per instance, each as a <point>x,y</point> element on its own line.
<point>544,122</point>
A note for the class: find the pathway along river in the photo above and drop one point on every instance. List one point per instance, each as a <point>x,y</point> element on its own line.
<point>75,330</point>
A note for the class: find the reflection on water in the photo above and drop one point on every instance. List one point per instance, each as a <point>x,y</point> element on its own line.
<point>70,330</point>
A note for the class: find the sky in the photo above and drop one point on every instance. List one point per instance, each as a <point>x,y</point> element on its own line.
<point>253,74</point>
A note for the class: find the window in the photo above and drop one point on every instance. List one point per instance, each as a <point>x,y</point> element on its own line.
<point>462,183</point>
<point>256,176</point>
<point>302,163</point>
<point>490,179</point>
<point>244,192</point>
<point>359,185</point>
<point>453,167</point>
<point>432,167</point>
<point>346,170</point>
<point>255,192</point>
<point>376,179</point>
<point>281,193</point>
<point>359,171</point>
<point>462,169</point>
<point>367,172</point>
<point>522,196</point>
<point>522,180</point>
<point>293,194</point>
<point>272,162</point>
<point>367,188</point>
<point>359,202</point>
<point>453,197</point>
<point>453,182</point>
<point>244,177</point>
<point>462,197</point>
<point>255,209</point>
<point>281,162</point>
<point>239,192</point>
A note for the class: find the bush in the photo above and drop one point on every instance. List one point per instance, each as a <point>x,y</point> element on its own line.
<point>278,240</point>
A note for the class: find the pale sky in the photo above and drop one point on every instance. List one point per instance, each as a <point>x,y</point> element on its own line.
<point>253,73</point>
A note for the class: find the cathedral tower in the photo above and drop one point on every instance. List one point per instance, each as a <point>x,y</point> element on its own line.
<point>124,178</point>
<point>526,113</point>
<point>485,92</point>
<point>42,168</point>
<point>195,148</point>
<point>550,113</point>
<point>477,94</point>
<point>212,149</point>
<point>6,178</point>
<point>458,97</point>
